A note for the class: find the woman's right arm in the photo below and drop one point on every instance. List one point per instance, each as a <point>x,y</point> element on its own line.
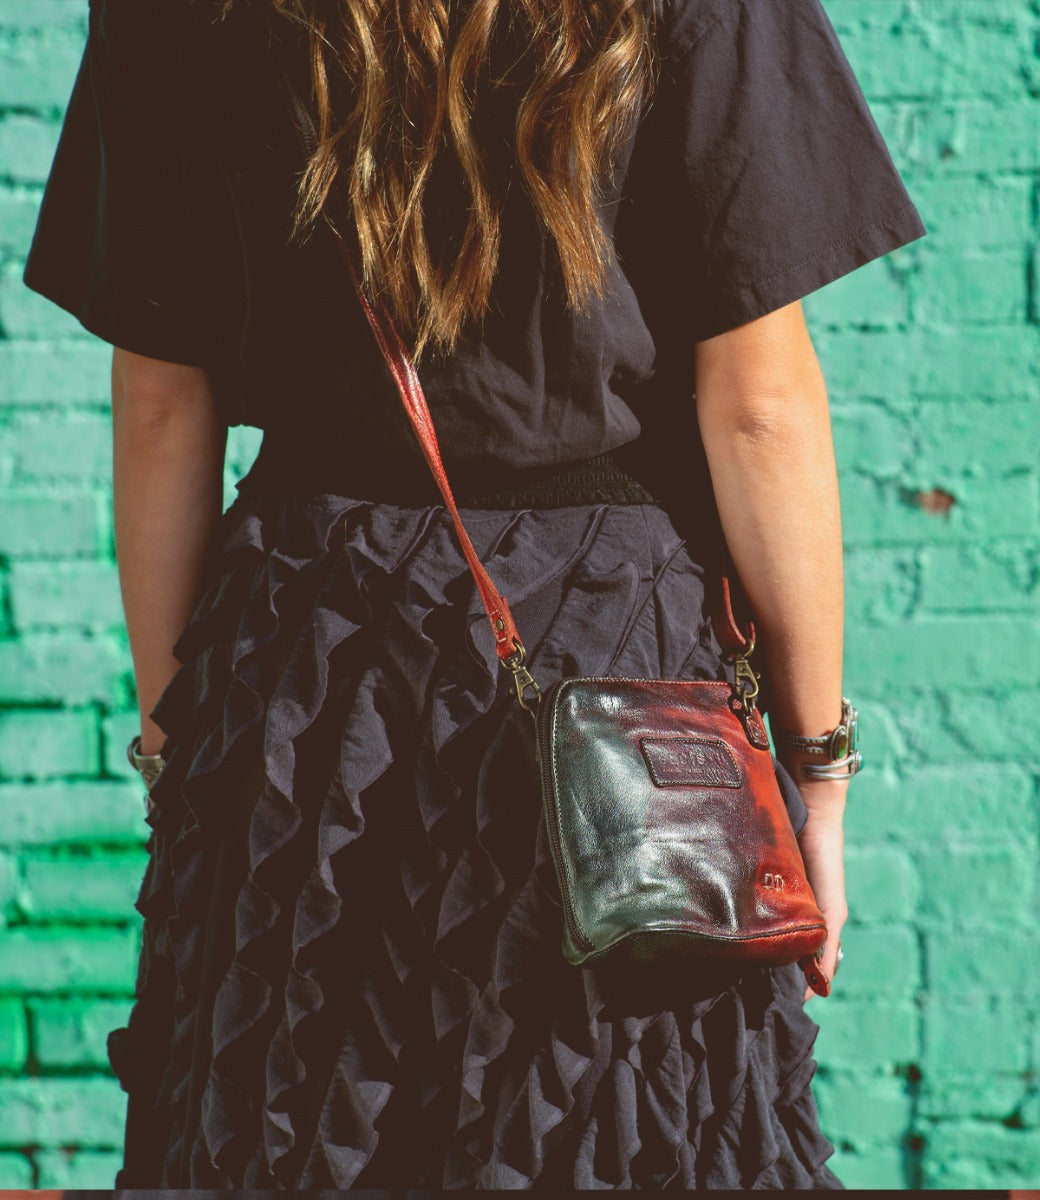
<point>763,414</point>
<point>168,458</point>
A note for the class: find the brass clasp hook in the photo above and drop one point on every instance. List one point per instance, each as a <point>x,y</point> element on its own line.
<point>523,681</point>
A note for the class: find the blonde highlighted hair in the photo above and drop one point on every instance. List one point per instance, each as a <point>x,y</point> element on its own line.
<point>397,90</point>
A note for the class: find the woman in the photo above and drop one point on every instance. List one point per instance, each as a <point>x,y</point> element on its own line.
<point>594,225</point>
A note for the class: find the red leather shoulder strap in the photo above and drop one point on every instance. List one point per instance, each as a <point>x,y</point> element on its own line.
<point>731,637</point>
<point>507,640</point>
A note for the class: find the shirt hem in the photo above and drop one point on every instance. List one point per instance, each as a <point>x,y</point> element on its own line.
<point>141,331</point>
<point>756,298</point>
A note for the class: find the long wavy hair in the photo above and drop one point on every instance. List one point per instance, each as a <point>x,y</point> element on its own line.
<point>399,92</point>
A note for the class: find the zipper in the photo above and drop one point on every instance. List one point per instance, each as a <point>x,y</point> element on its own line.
<point>546,709</point>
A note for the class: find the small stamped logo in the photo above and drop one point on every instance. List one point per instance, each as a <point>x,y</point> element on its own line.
<point>690,762</point>
<point>773,881</point>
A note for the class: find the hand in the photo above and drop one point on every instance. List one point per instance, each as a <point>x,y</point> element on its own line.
<point>822,842</point>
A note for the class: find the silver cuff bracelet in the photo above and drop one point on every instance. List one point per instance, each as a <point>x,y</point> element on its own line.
<point>148,766</point>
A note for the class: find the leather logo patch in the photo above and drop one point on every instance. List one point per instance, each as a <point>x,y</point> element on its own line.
<point>690,762</point>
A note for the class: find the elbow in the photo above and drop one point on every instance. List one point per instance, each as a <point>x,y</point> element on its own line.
<point>760,384</point>
<point>152,399</point>
<point>767,420</point>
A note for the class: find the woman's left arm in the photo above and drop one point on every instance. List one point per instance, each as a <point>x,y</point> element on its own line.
<point>168,458</point>
<point>763,414</point>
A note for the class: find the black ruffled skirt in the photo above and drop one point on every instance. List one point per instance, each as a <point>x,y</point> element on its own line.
<point>351,972</point>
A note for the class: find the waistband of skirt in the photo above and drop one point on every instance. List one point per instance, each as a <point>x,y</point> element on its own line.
<point>595,481</point>
<point>598,480</point>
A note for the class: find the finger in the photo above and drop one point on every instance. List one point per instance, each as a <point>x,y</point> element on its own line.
<point>829,961</point>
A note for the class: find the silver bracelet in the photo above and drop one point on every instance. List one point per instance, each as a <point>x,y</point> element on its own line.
<point>842,768</point>
<point>839,748</point>
<point>148,766</point>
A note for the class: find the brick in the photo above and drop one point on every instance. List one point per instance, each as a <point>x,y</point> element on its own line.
<point>19,209</point>
<point>64,668</point>
<point>37,524</point>
<point>873,297</point>
<point>14,1037</point>
<point>879,512</point>
<point>966,804</point>
<point>82,890</point>
<point>67,372</point>
<point>966,60</point>
<point>6,629</point>
<point>987,211</point>
<point>877,1167</point>
<point>1000,362</point>
<point>964,962</point>
<point>81,595</point>
<point>971,1154</point>
<point>979,720</point>
<point>19,17</point>
<point>61,1112</point>
<point>1029,1110</point>
<point>999,879</point>
<point>993,578</point>
<point>60,446</point>
<point>45,744</point>
<point>8,882</point>
<point>920,651</point>
<point>850,14</point>
<point>106,813</point>
<point>981,1037</point>
<point>45,961</point>
<point>77,1169</point>
<point>1007,14</point>
<point>876,1036</point>
<point>881,961</point>
<point>977,437</point>
<point>16,1172</point>
<point>967,137</point>
<point>27,145</point>
<point>117,730</point>
<point>27,314</point>
<point>927,739</point>
<point>859,1109</point>
<point>72,1033</point>
<point>881,585</point>
<point>870,437</point>
<point>1034,280</point>
<point>39,72</point>
<point>979,287</point>
<point>956,1097</point>
<point>882,884</point>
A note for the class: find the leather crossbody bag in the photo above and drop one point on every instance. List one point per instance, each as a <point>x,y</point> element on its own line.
<point>668,831</point>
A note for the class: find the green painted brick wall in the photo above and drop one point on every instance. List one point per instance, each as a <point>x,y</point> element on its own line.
<point>929,1051</point>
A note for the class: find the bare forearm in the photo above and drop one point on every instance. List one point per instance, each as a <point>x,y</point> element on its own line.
<point>168,451</point>
<point>768,441</point>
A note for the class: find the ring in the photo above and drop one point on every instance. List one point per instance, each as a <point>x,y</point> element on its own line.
<point>837,961</point>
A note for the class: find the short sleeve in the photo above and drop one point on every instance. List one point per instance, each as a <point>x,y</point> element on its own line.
<point>761,165</point>
<point>128,234</point>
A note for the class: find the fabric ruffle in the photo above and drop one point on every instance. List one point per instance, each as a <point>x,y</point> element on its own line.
<point>351,973</point>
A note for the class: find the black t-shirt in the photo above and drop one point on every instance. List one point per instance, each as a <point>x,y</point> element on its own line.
<point>756,176</point>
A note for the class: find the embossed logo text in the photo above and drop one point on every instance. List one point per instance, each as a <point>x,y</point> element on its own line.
<point>690,762</point>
